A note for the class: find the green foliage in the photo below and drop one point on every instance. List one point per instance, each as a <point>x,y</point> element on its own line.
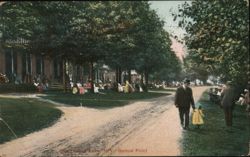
<point>8,88</point>
<point>218,36</point>
<point>123,34</point>
<point>104,101</point>
<point>171,70</point>
<point>194,70</point>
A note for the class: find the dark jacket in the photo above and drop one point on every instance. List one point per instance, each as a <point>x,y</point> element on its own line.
<point>184,97</point>
<point>228,97</point>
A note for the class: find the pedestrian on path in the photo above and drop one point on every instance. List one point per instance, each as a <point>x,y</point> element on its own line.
<point>228,99</point>
<point>197,118</point>
<point>183,100</point>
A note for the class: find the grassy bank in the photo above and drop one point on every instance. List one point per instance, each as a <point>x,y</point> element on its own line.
<point>214,138</point>
<point>104,100</point>
<point>162,89</point>
<point>25,116</point>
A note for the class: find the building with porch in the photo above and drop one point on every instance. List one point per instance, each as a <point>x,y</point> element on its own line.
<point>22,67</point>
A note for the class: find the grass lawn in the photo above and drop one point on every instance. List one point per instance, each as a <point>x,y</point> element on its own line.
<point>161,89</point>
<point>25,116</point>
<point>106,100</point>
<point>214,138</point>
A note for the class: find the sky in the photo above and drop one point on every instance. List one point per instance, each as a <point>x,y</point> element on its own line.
<point>163,10</point>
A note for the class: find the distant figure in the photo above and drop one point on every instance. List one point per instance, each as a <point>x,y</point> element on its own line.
<point>75,89</point>
<point>96,89</point>
<point>228,98</point>
<point>247,100</point>
<point>120,88</point>
<point>183,100</point>
<point>241,100</point>
<point>126,88</point>
<point>197,118</point>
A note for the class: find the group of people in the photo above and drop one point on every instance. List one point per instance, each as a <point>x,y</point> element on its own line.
<point>229,98</point>
<point>129,88</point>
<point>184,101</point>
<point>3,78</point>
<point>245,100</point>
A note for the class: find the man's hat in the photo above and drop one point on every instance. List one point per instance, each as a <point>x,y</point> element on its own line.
<point>186,81</point>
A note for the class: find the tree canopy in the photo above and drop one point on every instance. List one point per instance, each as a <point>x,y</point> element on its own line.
<point>123,34</point>
<point>218,37</point>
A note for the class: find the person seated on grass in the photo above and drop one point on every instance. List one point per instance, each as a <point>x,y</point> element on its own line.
<point>120,88</point>
<point>131,89</point>
<point>126,88</point>
<point>241,100</point>
<point>197,118</point>
<point>75,89</point>
<point>96,88</point>
<point>40,87</point>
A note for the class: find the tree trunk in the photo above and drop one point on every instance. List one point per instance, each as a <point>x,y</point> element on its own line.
<point>146,80</point>
<point>81,73</point>
<point>64,76</point>
<point>142,77</point>
<point>92,76</point>
<point>129,76</point>
<point>120,75</point>
<point>117,74</point>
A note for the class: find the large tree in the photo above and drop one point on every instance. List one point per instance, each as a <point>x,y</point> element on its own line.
<point>15,23</point>
<point>126,35</point>
<point>218,36</point>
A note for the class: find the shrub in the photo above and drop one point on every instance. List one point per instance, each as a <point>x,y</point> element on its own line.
<point>8,87</point>
<point>3,79</point>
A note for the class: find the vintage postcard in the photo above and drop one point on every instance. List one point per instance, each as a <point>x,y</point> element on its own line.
<point>124,78</point>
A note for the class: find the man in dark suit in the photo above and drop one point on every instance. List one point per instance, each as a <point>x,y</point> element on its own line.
<point>228,99</point>
<point>183,100</point>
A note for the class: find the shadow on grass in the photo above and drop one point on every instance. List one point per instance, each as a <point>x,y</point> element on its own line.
<point>214,138</point>
<point>104,100</point>
<point>25,116</point>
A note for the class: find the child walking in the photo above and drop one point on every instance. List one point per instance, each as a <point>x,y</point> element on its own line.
<point>197,118</point>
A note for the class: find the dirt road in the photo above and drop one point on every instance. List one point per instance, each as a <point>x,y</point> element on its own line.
<point>149,127</point>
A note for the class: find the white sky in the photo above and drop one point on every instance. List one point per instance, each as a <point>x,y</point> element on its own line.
<point>163,9</point>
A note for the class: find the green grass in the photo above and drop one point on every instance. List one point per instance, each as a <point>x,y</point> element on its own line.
<point>214,138</point>
<point>161,89</point>
<point>25,116</point>
<point>105,100</point>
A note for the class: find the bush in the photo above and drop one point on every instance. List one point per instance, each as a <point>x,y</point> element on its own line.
<point>3,79</point>
<point>6,88</point>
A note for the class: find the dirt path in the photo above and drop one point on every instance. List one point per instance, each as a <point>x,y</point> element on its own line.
<point>149,127</point>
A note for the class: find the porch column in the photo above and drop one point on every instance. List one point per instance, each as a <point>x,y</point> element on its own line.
<point>19,65</point>
<point>2,62</point>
